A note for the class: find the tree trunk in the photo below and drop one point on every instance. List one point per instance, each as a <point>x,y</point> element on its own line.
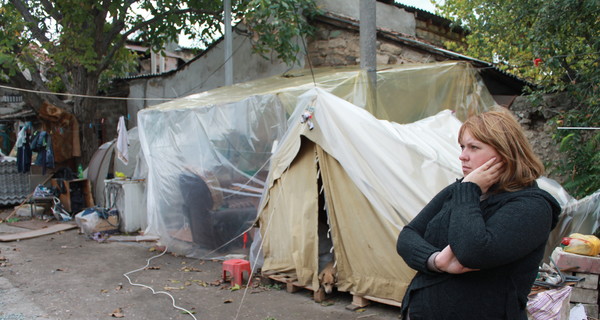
<point>86,83</point>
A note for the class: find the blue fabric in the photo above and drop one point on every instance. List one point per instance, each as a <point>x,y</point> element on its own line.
<point>42,144</point>
<point>24,158</point>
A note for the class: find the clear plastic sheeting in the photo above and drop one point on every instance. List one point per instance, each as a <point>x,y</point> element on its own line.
<point>208,154</point>
<point>206,171</point>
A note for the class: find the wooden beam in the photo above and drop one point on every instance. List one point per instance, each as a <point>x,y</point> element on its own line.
<point>36,233</point>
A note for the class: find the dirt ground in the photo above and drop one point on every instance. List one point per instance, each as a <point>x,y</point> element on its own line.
<point>67,275</point>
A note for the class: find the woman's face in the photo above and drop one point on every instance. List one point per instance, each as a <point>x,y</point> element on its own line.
<point>475,153</point>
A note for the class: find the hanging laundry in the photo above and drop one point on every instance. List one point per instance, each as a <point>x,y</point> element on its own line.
<point>50,153</point>
<point>122,141</point>
<point>41,143</point>
<point>24,149</point>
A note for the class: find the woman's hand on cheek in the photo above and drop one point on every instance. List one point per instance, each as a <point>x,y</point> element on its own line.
<point>486,175</point>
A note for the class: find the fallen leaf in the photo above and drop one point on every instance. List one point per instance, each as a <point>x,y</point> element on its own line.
<point>188,312</point>
<point>361,310</point>
<point>117,313</point>
<point>236,287</point>
<point>104,291</point>
<point>190,269</point>
<point>174,288</point>
<point>153,268</point>
<point>175,281</point>
<point>119,287</point>
<point>3,258</point>
<point>228,301</point>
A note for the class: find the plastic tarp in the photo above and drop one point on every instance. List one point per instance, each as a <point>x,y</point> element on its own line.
<point>207,154</point>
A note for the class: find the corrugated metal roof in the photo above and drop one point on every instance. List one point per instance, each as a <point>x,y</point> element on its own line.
<point>426,15</point>
<point>14,186</point>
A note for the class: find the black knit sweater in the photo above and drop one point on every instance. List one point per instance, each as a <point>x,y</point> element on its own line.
<point>503,235</point>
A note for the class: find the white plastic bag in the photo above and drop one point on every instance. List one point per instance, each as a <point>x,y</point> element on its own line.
<point>92,221</point>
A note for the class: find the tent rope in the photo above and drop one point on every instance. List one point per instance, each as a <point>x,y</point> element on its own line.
<point>262,239</point>
<point>309,63</point>
<point>258,254</point>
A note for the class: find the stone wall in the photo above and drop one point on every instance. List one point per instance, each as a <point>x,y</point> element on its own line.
<point>535,121</point>
<point>332,46</point>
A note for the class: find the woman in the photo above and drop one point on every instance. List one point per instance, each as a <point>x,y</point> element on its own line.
<point>478,243</point>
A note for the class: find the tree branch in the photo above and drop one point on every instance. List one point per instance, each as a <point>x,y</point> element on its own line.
<point>118,24</point>
<point>166,14</point>
<point>117,45</point>
<point>571,74</point>
<point>31,20</point>
<point>50,10</point>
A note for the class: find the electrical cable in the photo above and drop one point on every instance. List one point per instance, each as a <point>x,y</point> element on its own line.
<point>126,275</point>
<point>81,95</point>
<point>253,265</point>
<point>218,68</point>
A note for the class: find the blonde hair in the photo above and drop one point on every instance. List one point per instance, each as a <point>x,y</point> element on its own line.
<point>501,130</point>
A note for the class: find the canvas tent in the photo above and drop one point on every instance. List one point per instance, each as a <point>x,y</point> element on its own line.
<point>208,153</point>
<point>104,163</point>
<point>369,177</point>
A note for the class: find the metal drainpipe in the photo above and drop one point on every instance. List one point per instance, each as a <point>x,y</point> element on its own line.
<point>368,44</point>
<point>228,43</point>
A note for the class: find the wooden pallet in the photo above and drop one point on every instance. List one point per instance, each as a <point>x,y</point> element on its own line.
<point>363,301</point>
<point>292,285</point>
